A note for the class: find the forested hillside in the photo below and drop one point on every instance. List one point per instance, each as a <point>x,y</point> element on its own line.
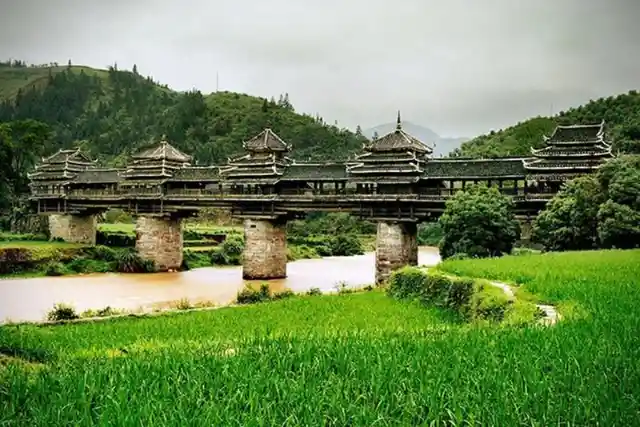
<point>112,113</point>
<point>621,114</point>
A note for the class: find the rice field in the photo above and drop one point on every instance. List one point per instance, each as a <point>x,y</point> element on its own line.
<point>357,359</point>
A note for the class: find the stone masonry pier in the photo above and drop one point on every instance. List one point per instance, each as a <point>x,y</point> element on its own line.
<point>73,228</point>
<point>265,250</point>
<point>396,247</point>
<point>160,240</point>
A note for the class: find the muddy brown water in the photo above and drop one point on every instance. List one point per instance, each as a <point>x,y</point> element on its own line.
<point>30,299</point>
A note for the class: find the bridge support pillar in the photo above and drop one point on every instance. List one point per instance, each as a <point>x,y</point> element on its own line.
<point>526,228</point>
<point>265,249</point>
<point>73,228</point>
<point>160,240</point>
<point>396,247</point>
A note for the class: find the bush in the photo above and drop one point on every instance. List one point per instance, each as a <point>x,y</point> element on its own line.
<point>252,296</point>
<point>53,269</point>
<point>129,261</point>
<point>314,291</point>
<point>346,245</point>
<point>114,216</point>
<point>115,238</point>
<point>430,234</point>
<point>472,299</point>
<point>62,312</point>
<point>287,293</point>
<point>488,302</point>
<point>407,282</point>
<point>13,260</point>
<point>301,252</point>
<point>435,289</point>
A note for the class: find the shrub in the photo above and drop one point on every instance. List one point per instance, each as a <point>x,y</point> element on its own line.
<point>15,259</point>
<point>430,234</point>
<point>475,300</point>
<point>287,293</point>
<point>62,312</point>
<point>435,289</point>
<point>183,304</point>
<point>102,253</point>
<point>119,239</point>
<point>54,269</point>
<point>130,262</point>
<point>407,282</point>
<point>459,293</point>
<point>301,252</point>
<point>346,245</point>
<point>488,303</point>
<point>314,291</point>
<point>252,296</point>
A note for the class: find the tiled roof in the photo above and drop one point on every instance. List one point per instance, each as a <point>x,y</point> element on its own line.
<point>600,149</point>
<point>578,164</point>
<point>482,168</point>
<point>163,151</point>
<point>315,171</point>
<point>266,140</point>
<point>208,173</point>
<point>577,133</point>
<point>96,175</point>
<point>63,156</point>
<point>398,140</point>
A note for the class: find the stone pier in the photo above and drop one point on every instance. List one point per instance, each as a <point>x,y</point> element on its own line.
<point>396,246</point>
<point>265,249</point>
<point>526,228</point>
<point>160,240</point>
<point>73,228</point>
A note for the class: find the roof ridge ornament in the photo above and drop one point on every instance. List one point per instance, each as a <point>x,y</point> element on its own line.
<point>399,122</point>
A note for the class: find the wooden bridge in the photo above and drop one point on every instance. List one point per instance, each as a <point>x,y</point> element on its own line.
<point>393,181</point>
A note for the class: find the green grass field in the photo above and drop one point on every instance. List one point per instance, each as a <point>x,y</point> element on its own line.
<point>358,359</point>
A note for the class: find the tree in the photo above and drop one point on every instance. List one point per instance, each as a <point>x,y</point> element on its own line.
<point>601,210</point>
<point>478,222</point>
<point>569,222</point>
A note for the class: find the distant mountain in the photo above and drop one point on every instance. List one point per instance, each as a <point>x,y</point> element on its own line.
<point>443,146</point>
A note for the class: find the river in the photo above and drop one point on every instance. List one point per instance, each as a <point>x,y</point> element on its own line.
<point>31,299</point>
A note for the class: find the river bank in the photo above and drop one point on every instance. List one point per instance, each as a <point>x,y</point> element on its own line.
<point>29,299</point>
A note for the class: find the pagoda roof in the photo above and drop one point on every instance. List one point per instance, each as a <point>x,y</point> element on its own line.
<point>558,151</point>
<point>163,151</point>
<point>554,165</point>
<point>266,141</point>
<point>64,156</point>
<point>398,140</point>
<point>575,134</point>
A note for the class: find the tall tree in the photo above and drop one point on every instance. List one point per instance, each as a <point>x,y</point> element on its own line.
<point>478,222</point>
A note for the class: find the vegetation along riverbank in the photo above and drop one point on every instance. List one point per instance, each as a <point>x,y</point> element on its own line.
<point>354,358</point>
<point>205,246</point>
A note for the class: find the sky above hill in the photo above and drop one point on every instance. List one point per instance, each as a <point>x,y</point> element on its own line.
<point>461,67</point>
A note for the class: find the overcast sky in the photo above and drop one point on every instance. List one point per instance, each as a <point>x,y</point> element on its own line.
<point>460,67</point>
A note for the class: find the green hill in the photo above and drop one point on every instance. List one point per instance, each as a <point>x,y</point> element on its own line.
<point>621,114</point>
<point>112,113</point>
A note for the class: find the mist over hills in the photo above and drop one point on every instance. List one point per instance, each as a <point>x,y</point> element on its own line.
<point>443,145</point>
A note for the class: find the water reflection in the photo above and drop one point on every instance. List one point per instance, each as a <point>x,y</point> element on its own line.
<point>31,299</point>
